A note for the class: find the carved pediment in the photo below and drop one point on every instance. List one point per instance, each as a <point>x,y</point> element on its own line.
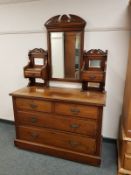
<point>95,52</point>
<point>65,21</point>
<point>38,52</point>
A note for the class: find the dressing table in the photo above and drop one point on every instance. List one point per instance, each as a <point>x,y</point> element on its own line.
<point>63,122</point>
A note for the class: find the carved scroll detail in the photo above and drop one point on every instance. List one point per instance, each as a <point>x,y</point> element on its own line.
<point>96,52</point>
<point>65,21</point>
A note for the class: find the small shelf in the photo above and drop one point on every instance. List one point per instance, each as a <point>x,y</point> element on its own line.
<point>33,71</point>
<point>93,71</point>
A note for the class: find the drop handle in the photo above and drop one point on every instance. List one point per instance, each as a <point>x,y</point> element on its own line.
<point>34,135</point>
<point>74,110</point>
<point>92,77</point>
<point>33,106</point>
<point>73,143</point>
<point>33,119</point>
<point>74,126</point>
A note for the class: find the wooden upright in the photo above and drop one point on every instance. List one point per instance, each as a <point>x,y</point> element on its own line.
<point>124,143</point>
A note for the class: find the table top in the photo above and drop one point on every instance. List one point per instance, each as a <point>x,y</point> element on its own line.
<point>63,94</point>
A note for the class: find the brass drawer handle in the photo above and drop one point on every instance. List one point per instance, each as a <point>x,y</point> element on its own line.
<point>73,143</point>
<point>33,106</point>
<point>33,120</point>
<point>92,77</point>
<point>74,126</point>
<point>74,110</point>
<point>34,135</point>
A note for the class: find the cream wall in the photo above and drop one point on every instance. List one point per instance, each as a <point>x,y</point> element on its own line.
<point>21,29</point>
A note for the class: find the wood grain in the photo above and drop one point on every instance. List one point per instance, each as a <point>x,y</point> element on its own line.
<point>59,139</point>
<point>63,123</point>
<point>64,120</point>
<point>64,94</point>
<point>77,110</point>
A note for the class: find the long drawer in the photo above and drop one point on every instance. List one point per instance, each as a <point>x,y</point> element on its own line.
<point>72,124</point>
<point>35,105</point>
<point>77,110</point>
<point>73,142</point>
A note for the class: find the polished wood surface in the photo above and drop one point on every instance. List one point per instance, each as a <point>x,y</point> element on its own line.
<point>63,122</point>
<point>37,105</point>
<point>63,94</point>
<point>95,76</point>
<point>77,110</point>
<point>33,72</point>
<point>60,139</point>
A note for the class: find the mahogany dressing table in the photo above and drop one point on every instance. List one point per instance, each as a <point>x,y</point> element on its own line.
<point>63,122</point>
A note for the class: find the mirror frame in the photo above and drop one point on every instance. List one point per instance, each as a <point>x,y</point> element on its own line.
<point>65,23</point>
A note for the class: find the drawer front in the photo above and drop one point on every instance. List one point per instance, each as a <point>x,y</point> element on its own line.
<point>93,76</point>
<point>127,162</point>
<point>35,105</point>
<point>128,147</point>
<point>62,140</point>
<point>77,110</point>
<point>87,127</point>
<point>32,74</point>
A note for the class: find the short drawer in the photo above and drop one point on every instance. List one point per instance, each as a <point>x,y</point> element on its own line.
<point>32,104</point>
<point>59,139</point>
<point>32,72</point>
<point>77,110</point>
<point>128,147</point>
<point>87,127</point>
<point>127,162</point>
<point>93,76</point>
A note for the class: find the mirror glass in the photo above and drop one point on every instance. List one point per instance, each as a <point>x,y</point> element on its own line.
<point>39,61</point>
<point>95,85</point>
<point>94,63</point>
<point>65,54</point>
